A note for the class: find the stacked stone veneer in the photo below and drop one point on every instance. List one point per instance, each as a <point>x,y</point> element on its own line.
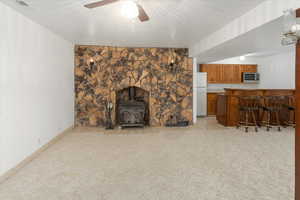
<point>169,87</point>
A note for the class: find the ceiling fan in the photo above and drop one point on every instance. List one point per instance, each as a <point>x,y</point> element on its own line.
<point>131,9</point>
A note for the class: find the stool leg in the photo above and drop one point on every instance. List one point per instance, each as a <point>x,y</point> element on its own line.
<point>254,119</point>
<point>247,122</point>
<point>262,118</point>
<point>240,120</point>
<point>268,120</point>
<point>287,121</point>
<point>277,120</point>
<point>294,118</point>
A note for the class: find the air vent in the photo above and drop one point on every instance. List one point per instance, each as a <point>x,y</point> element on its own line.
<point>22,3</point>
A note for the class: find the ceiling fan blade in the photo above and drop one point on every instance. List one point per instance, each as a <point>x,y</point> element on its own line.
<point>142,14</point>
<point>100,3</point>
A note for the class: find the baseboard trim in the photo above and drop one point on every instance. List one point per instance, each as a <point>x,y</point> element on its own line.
<point>31,157</point>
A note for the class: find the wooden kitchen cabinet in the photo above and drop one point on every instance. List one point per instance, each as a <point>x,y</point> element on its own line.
<point>248,68</point>
<point>237,75</point>
<point>213,74</point>
<point>212,104</point>
<point>231,74</point>
<point>226,73</point>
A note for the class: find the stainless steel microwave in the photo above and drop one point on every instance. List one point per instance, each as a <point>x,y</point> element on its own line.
<point>250,77</point>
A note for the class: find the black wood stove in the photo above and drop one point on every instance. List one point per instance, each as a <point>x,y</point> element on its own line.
<point>131,113</point>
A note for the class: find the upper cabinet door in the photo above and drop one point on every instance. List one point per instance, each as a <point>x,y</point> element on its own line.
<point>227,73</point>
<point>248,68</point>
<point>211,72</point>
<point>202,68</point>
<point>237,74</point>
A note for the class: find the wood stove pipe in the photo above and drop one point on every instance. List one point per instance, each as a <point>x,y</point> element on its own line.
<point>131,92</point>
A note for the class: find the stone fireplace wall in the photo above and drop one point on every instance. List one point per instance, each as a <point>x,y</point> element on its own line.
<point>169,86</point>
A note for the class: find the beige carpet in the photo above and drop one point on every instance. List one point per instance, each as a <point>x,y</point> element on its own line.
<point>204,162</point>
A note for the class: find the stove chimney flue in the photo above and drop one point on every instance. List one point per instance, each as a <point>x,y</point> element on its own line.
<point>131,92</point>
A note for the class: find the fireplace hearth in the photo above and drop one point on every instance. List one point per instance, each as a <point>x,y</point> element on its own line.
<point>132,107</point>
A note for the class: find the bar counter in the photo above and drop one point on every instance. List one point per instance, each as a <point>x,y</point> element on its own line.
<point>228,102</point>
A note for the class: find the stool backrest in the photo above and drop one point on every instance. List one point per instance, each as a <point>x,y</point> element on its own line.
<point>291,100</point>
<point>274,101</point>
<point>249,101</point>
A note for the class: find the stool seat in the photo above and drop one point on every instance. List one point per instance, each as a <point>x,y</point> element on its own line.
<point>248,108</point>
<point>292,108</point>
<point>272,109</point>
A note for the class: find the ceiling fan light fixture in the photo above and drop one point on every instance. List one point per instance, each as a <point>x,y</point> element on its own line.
<point>130,10</point>
<point>22,3</point>
<point>291,28</point>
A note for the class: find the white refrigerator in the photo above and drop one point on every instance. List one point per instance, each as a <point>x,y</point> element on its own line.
<point>201,94</point>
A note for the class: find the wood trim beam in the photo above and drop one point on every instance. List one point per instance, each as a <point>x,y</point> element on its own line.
<point>298,12</point>
<point>297,135</point>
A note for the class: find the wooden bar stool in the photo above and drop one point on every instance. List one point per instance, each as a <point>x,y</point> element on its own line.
<point>248,112</point>
<point>271,112</point>
<point>290,105</point>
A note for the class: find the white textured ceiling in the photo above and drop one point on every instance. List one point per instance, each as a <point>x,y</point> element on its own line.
<point>173,23</point>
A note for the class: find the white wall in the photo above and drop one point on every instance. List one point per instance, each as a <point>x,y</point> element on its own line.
<point>277,71</point>
<point>236,60</point>
<point>195,69</point>
<point>36,87</point>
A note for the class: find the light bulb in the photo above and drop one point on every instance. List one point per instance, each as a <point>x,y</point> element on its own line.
<point>295,28</point>
<point>92,62</point>
<point>242,58</point>
<point>289,21</point>
<point>130,10</point>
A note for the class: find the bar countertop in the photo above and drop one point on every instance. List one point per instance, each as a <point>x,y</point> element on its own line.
<point>238,89</point>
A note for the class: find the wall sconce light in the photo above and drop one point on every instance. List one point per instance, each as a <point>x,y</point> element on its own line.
<point>172,58</point>
<point>172,63</point>
<point>92,62</point>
